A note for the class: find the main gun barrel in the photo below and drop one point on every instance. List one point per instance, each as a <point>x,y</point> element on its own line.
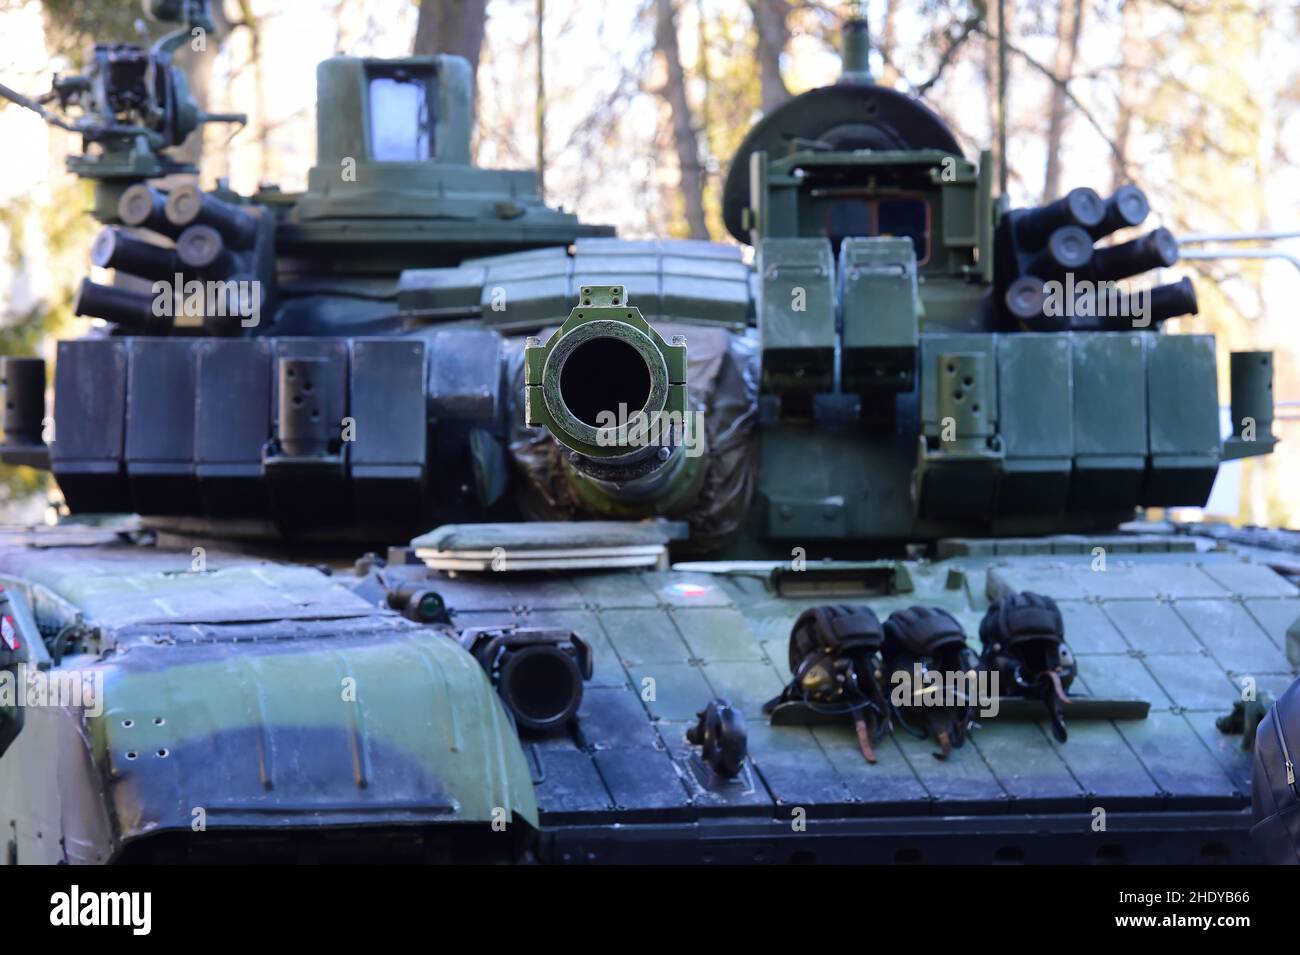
<point>612,392</point>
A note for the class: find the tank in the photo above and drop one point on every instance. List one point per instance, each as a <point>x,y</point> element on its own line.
<point>412,519</point>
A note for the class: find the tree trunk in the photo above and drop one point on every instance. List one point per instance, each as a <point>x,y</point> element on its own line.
<point>451,26</point>
<point>197,66</point>
<point>888,42</point>
<point>773,29</point>
<point>1130,59</point>
<point>250,22</point>
<point>1004,15</point>
<point>685,139</point>
<point>539,101</point>
<point>1069,24</point>
<point>989,71</point>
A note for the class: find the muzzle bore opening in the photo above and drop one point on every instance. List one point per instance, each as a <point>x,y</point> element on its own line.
<point>602,375</point>
<point>542,686</point>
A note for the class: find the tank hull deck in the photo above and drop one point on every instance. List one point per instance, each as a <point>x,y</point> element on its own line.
<point>1180,631</point>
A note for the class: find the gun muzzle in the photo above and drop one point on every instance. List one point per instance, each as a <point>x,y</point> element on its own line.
<point>1155,250</point>
<point>539,674</point>
<point>1126,207</point>
<point>114,249</point>
<point>1068,249</point>
<point>202,249</point>
<point>611,391</point>
<point>1026,298</point>
<point>144,207</point>
<point>133,311</point>
<point>1172,300</point>
<point>1080,207</point>
<point>188,205</point>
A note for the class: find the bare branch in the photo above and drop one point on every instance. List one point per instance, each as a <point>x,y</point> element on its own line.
<point>971,25</point>
<point>1064,86</point>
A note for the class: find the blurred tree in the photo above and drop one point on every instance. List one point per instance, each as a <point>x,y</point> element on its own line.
<point>1205,101</point>
<point>451,26</point>
<point>67,230</point>
<point>196,59</point>
<point>70,25</point>
<point>1069,24</point>
<point>888,43</point>
<point>1129,55</point>
<point>732,96</point>
<point>772,29</point>
<point>686,141</point>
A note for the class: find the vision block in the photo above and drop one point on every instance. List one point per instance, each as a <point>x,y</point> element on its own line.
<point>796,315</point>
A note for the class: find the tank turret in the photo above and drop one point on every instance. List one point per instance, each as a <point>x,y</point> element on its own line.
<point>905,359</point>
